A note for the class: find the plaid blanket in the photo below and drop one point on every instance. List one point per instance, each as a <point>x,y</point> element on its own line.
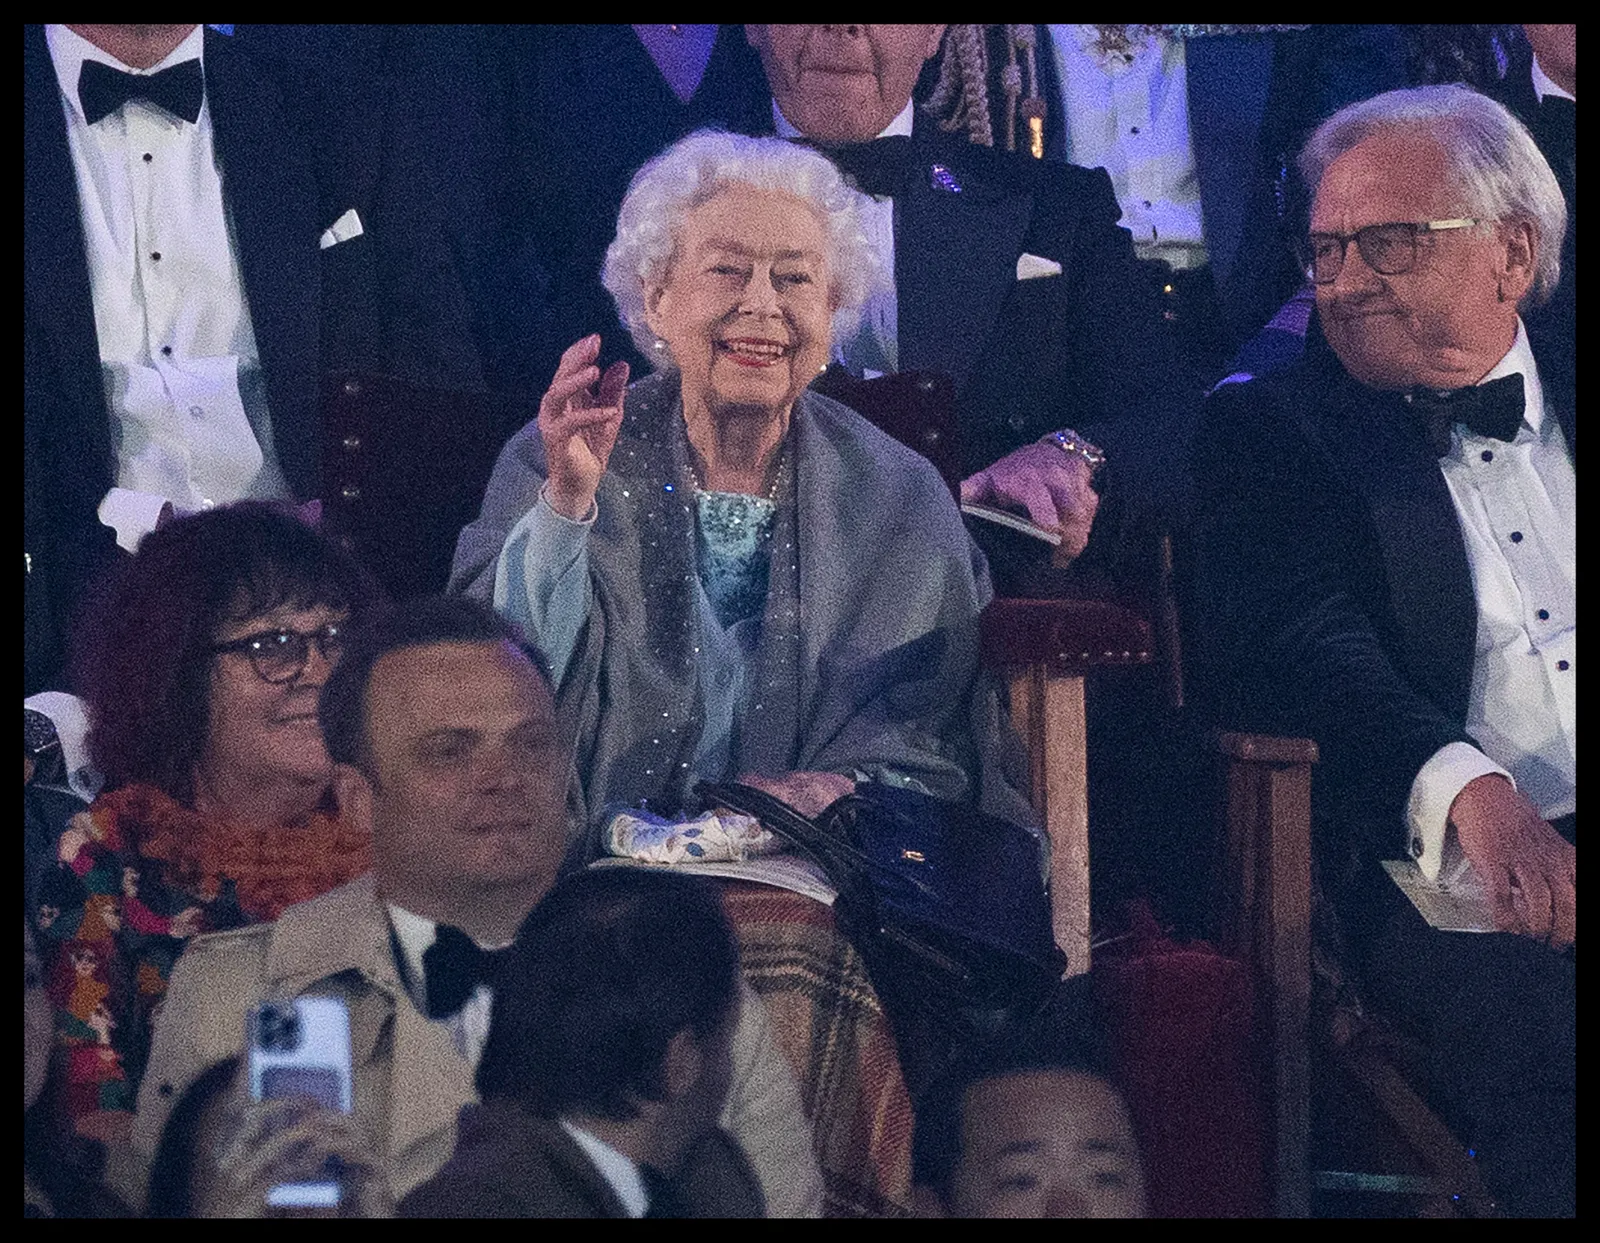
<point>835,1032</point>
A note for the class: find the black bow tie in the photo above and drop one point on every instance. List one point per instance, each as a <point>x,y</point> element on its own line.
<point>102,89</point>
<point>453,967</point>
<point>878,167</point>
<point>1493,409</point>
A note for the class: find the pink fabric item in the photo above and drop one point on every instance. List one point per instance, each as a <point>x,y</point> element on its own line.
<point>1183,1041</point>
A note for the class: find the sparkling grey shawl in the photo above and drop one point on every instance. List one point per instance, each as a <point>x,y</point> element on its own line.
<point>868,659</point>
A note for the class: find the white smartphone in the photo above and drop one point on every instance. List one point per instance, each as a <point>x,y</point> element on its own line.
<point>301,1047</point>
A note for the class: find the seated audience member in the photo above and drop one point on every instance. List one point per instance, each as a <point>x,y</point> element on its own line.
<point>730,574</point>
<point>1388,557</point>
<point>1027,1138</point>
<point>200,665</point>
<point>51,1185</point>
<point>607,1063</point>
<point>220,1155</point>
<point>449,756</point>
<point>1197,126</point>
<point>200,244</point>
<point>1008,273</point>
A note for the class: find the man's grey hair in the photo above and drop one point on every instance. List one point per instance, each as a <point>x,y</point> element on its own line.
<point>1496,168</point>
<point>696,169</point>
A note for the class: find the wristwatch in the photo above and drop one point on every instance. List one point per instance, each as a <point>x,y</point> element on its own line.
<point>1074,445</point>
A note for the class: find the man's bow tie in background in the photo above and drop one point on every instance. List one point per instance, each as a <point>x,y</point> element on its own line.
<point>453,967</point>
<point>179,90</point>
<point>879,167</point>
<point>1493,409</point>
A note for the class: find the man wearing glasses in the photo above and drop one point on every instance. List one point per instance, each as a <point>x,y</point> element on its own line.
<point>1388,552</point>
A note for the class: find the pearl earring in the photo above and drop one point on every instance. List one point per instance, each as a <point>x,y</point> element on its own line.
<point>659,346</point>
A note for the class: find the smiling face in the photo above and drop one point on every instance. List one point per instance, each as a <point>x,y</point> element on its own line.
<point>1047,1144</point>
<point>261,729</point>
<point>467,788</point>
<point>839,84</point>
<point>746,307</point>
<point>1448,320</point>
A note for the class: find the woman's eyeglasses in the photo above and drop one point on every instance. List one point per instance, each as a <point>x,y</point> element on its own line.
<point>1388,249</point>
<point>280,656</point>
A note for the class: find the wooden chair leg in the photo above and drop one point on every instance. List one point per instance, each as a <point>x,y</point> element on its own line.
<point>1268,861</point>
<point>1049,711</point>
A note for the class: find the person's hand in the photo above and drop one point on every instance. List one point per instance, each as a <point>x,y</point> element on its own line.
<point>294,1140</point>
<point>1529,870</point>
<point>807,793</point>
<point>1050,485</point>
<point>579,417</point>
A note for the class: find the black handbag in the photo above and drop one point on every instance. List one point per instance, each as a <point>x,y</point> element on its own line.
<point>948,907</point>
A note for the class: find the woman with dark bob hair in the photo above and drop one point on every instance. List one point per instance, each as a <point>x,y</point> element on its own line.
<point>200,661</point>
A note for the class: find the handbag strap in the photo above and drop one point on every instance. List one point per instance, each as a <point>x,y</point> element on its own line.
<point>841,861</point>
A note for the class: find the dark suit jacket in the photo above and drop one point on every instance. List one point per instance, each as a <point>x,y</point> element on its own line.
<point>295,154</point>
<point>1084,349</point>
<point>70,459</point>
<point>511,1163</point>
<point>1335,600</point>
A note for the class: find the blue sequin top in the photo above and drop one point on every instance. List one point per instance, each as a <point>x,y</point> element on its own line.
<point>733,537</point>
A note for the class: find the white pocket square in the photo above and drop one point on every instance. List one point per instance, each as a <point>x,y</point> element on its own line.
<point>348,226</point>
<point>1032,267</point>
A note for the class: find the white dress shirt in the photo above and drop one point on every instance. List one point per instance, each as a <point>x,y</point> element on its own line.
<point>1544,85</point>
<point>469,1026</point>
<point>875,348</point>
<point>617,1168</point>
<point>178,354</point>
<point>1518,509</point>
<point>1131,117</point>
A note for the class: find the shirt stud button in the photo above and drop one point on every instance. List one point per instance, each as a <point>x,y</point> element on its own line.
<point>148,157</point>
<point>155,255</point>
<point>1516,537</point>
<point>167,350</point>
<point>1487,455</point>
<point>1543,614</point>
<point>1563,665</point>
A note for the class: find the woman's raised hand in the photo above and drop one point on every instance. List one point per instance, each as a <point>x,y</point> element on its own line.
<point>579,418</point>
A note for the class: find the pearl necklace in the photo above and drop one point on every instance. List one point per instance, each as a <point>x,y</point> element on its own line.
<point>777,474</point>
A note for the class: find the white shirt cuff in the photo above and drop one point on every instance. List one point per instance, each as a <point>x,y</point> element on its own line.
<point>1437,783</point>
<point>132,515</point>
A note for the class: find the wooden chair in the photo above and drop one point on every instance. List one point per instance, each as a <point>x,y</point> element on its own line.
<point>404,468</point>
<point>1043,649</point>
<point>1266,889</point>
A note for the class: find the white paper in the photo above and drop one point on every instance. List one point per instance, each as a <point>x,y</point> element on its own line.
<point>1458,905</point>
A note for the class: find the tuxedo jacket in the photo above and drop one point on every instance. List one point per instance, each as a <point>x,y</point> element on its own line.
<point>68,449</point>
<point>509,1162</point>
<point>1085,348</point>
<point>294,157</point>
<point>1334,597</point>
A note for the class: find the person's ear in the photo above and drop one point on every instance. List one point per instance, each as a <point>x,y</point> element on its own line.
<point>1519,264</point>
<point>653,294</point>
<point>353,791</point>
<point>685,1061</point>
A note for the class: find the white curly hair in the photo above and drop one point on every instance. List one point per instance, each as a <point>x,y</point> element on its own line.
<point>694,170</point>
<point>1497,169</point>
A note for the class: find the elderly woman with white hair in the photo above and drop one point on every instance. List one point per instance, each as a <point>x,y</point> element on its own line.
<point>731,576</point>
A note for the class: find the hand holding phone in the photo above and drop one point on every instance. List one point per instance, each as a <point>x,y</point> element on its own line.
<point>300,1053</point>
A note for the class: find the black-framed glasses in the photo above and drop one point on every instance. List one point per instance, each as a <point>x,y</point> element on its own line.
<point>1388,249</point>
<point>280,656</point>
